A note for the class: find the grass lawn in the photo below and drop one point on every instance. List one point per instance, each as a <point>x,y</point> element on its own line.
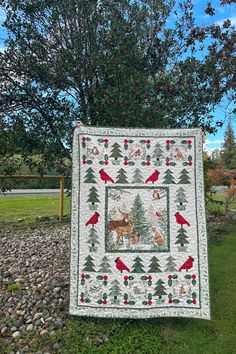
<point>157,336</point>
<point>164,335</point>
<point>25,210</point>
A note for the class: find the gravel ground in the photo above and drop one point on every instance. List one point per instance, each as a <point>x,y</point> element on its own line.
<point>34,285</point>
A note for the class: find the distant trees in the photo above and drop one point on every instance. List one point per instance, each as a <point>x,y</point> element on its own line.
<point>229,148</point>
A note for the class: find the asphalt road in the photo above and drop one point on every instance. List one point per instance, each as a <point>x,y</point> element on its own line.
<point>29,192</point>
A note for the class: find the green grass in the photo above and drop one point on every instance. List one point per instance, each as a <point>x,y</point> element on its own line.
<point>157,336</point>
<point>26,210</point>
<point>14,288</point>
<point>169,335</point>
<point>162,335</point>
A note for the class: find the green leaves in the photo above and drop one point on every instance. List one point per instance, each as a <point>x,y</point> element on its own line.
<point>120,66</point>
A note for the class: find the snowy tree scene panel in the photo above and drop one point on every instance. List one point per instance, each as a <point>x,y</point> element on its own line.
<point>138,221</point>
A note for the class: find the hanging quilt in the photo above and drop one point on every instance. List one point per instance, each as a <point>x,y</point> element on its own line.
<point>138,232</point>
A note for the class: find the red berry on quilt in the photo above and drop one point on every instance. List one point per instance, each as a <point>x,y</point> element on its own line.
<point>149,277</point>
<point>167,163</point>
<point>170,301</point>
<point>106,162</point>
<point>190,163</point>
<point>126,277</point>
<point>126,141</point>
<point>167,142</point>
<point>189,142</point>
<point>126,302</point>
<point>83,276</point>
<point>82,299</point>
<point>105,277</point>
<point>148,163</point>
<point>104,302</point>
<point>148,142</point>
<point>194,301</point>
<point>84,162</point>
<point>193,276</point>
<point>169,276</point>
<point>149,302</point>
<point>126,163</point>
<point>105,141</point>
<point>83,139</point>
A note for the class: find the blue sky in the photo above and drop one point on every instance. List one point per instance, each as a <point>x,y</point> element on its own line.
<point>222,13</point>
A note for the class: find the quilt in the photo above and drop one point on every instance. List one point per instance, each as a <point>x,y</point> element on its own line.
<point>138,230</point>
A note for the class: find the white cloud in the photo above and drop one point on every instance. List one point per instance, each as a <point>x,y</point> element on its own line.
<point>232,20</point>
<point>216,141</point>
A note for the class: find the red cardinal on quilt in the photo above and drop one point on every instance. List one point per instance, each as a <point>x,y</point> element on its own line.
<point>120,265</point>
<point>188,264</point>
<point>105,177</point>
<point>181,220</point>
<point>93,220</point>
<point>154,177</point>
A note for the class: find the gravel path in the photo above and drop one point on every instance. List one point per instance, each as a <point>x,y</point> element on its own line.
<point>34,284</point>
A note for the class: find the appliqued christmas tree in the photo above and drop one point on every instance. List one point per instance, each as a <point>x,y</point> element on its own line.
<point>181,199</point>
<point>137,177</point>
<point>182,239</point>
<point>170,265</point>
<point>168,177</point>
<point>141,224</point>
<point>154,266</point>
<point>157,155</point>
<point>93,196</point>
<point>88,265</point>
<point>121,176</point>
<point>184,177</point>
<point>105,266</point>
<point>89,177</point>
<point>138,265</point>
<point>159,289</point>
<point>116,152</point>
<point>93,240</point>
<point>115,293</point>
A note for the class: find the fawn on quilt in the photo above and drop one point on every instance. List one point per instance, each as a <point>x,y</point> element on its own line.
<point>138,231</point>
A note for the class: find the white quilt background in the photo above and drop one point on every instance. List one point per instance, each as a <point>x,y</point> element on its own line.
<point>140,304</point>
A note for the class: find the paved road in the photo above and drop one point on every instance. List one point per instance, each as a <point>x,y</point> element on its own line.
<point>31,192</point>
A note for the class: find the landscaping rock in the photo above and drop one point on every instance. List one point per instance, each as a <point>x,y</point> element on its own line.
<point>41,267</point>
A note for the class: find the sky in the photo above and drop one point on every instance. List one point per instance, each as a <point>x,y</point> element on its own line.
<point>224,12</point>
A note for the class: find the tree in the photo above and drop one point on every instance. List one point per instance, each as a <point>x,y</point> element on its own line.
<point>181,199</point>
<point>141,224</point>
<point>229,148</point>
<point>116,151</point>
<point>93,240</point>
<point>88,265</point>
<point>138,265</point>
<point>93,196</point>
<point>154,266</point>
<point>184,177</point>
<point>89,177</point>
<point>157,154</point>
<point>182,237</point>
<point>121,176</point>
<point>170,265</point>
<point>137,176</point>
<point>168,177</point>
<point>105,265</point>
<point>115,292</point>
<point>159,289</point>
<point>60,63</point>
